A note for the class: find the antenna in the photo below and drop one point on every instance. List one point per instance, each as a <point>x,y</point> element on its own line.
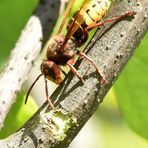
<point>32,87</point>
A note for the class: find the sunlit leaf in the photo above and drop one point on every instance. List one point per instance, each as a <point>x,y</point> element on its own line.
<point>132,90</point>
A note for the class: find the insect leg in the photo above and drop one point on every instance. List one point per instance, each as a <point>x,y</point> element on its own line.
<point>83,55</point>
<point>46,91</point>
<point>117,18</point>
<point>70,63</point>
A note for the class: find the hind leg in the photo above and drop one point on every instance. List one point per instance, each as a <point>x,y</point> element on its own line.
<point>83,55</point>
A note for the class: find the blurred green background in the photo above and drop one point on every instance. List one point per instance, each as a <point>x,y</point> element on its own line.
<point>108,126</point>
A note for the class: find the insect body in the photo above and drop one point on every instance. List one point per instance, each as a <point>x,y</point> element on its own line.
<point>91,13</point>
<point>62,49</point>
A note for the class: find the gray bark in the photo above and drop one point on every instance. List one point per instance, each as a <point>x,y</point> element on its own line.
<point>76,102</point>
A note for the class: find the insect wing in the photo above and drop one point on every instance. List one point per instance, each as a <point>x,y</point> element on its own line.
<point>65,16</point>
<point>72,28</point>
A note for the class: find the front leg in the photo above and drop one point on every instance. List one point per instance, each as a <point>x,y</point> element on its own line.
<point>47,96</point>
<point>51,71</point>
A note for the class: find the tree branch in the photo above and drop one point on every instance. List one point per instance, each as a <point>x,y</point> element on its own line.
<point>111,51</point>
<point>27,49</point>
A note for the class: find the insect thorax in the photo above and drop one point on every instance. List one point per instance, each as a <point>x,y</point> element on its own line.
<point>58,55</point>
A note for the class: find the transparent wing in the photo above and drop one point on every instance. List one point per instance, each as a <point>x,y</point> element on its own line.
<point>66,15</point>
<point>70,29</point>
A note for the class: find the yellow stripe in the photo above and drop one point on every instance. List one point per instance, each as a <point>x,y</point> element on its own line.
<point>93,14</point>
<point>87,19</point>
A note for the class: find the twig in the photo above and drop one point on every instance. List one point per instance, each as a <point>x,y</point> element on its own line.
<point>56,128</point>
<point>27,49</point>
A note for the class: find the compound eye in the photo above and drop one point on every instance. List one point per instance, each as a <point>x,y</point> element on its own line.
<point>50,75</point>
<point>51,71</point>
<point>47,70</point>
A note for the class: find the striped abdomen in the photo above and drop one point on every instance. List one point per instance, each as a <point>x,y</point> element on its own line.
<point>91,13</point>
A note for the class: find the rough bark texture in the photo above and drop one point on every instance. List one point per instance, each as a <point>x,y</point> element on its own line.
<point>27,49</point>
<point>111,51</point>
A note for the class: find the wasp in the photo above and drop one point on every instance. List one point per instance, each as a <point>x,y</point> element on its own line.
<point>63,48</point>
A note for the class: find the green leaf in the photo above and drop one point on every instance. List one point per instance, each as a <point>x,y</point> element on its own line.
<point>18,115</point>
<point>132,91</point>
<point>13,17</point>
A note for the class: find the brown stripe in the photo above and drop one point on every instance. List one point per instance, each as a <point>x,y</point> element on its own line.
<point>87,11</point>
